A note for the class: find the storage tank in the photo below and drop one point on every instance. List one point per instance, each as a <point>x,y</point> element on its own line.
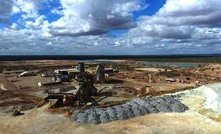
<point>81,67</point>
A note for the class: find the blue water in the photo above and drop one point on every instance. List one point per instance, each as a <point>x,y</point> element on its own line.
<point>172,64</point>
<point>96,61</point>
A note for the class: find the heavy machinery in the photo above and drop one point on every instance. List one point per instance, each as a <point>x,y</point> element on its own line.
<point>86,89</point>
<point>85,93</point>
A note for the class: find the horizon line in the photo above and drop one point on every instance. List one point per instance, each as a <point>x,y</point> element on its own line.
<point>94,57</point>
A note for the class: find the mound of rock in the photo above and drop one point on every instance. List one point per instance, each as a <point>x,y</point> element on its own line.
<point>212,94</point>
<point>134,108</point>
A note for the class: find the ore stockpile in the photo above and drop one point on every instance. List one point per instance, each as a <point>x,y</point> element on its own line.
<point>134,108</point>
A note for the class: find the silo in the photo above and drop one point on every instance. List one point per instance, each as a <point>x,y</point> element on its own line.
<point>81,67</point>
<point>150,78</point>
<point>101,73</point>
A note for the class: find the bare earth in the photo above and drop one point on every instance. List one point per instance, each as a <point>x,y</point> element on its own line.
<point>192,121</point>
<point>197,120</point>
<point>7,84</point>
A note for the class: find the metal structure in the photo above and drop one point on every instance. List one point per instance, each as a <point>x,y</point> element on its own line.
<point>86,91</point>
<point>100,72</point>
<point>84,94</point>
<point>81,67</point>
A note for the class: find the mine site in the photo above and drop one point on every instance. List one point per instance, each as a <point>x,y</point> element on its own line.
<point>110,67</point>
<point>109,96</point>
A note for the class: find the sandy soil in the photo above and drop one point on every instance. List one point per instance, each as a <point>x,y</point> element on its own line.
<point>151,69</point>
<point>212,70</point>
<point>39,121</point>
<point>197,120</point>
<point>7,84</point>
<point>30,82</point>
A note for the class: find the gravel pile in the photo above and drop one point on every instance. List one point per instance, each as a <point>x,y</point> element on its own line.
<point>134,108</point>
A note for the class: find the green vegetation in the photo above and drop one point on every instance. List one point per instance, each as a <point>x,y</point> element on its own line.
<point>16,113</point>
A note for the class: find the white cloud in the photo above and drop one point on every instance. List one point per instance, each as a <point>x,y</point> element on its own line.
<point>86,17</point>
<point>29,8</point>
<point>189,12</point>
<point>178,8</point>
<point>14,26</point>
<point>190,26</point>
<point>181,26</point>
<point>37,24</point>
<point>56,11</point>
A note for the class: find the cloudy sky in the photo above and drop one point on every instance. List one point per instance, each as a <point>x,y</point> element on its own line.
<point>110,27</point>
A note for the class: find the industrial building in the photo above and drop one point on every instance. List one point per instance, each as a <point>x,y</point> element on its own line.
<point>69,72</point>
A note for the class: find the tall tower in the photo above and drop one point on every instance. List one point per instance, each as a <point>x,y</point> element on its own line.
<point>81,67</point>
<point>101,73</point>
<point>150,78</point>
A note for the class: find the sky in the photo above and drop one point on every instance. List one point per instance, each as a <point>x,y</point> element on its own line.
<point>110,27</point>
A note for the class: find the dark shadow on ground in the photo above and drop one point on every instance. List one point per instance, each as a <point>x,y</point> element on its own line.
<point>113,81</point>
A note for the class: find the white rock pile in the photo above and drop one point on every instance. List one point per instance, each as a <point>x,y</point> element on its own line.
<point>212,94</point>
